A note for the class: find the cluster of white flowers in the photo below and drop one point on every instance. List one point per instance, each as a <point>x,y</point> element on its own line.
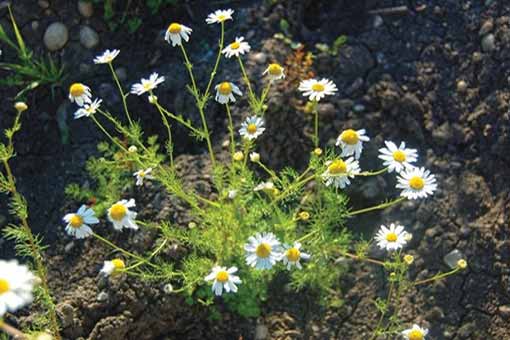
<point>16,285</point>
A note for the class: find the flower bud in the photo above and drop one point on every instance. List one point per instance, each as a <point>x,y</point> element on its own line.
<point>255,157</point>
<point>20,106</point>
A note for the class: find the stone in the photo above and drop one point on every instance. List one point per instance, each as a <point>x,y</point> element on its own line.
<point>88,37</point>
<point>43,4</point>
<point>86,8</point>
<point>102,297</point>
<point>486,27</point>
<point>504,311</point>
<point>452,258</point>
<point>461,86</point>
<point>260,58</point>
<point>488,43</point>
<point>261,332</point>
<point>56,36</point>
<point>354,61</point>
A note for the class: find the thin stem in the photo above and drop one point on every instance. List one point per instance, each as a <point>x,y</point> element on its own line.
<point>124,103</point>
<point>116,142</point>
<point>178,119</point>
<point>306,236</point>
<point>437,277</point>
<point>154,253</point>
<point>376,207</point>
<point>231,130</point>
<point>296,185</point>
<point>264,95</point>
<point>217,63</point>
<point>247,82</point>
<point>316,125</point>
<point>169,132</point>
<point>266,169</point>
<point>373,173</point>
<point>12,331</point>
<point>366,259</point>
<point>123,251</point>
<point>383,313</point>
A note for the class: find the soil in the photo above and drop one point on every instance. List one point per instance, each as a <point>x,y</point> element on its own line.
<point>421,76</point>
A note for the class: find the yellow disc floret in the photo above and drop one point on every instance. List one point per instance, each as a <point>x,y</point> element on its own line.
<point>349,137</point>
<point>118,211</point>
<point>174,28</point>
<point>76,221</point>
<point>225,88</point>
<point>235,45</point>
<point>317,87</point>
<point>77,90</point>
<point>222,276</point>
<point>338,166</point>
<point>118,264</point>
<point>293,254</point>
<point>399,156</point>
<point>416,183</point>
<point>251,128</point>
<point>4,286</point>
<point>263,250</point>
<point>274,69</point>
<point>415,334</point>
<point>391,237</point>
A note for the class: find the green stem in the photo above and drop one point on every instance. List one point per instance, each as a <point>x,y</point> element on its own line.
<point>169,132</point>
<point>179,119</point>
<point>437,277</point>
<point>123,251</point>
<point>216,64</point>
<point>231,131</point>
<point>366,259</point>
<point>115,141</point>
<point>253,98</point>
<point>124,103</point>
<point>154,253</point>
<point>376,207</point>
<point>373,173</point>
<point>266,169</point>
<point>316,125</point>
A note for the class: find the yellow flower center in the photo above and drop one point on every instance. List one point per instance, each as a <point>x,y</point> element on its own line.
<point>118,264</point>
<point>141,174</point>
<point>118,211</point>
<point>337,167</point>
<point>293,254</point>
<point>318,87</point>
<point>221,18</point>
<point>304,215</point>
<point>222,276</point>
<point>238,156</point>
<point>349,137</point>
<point>225,88</point>
<point>174,28</point>
<point>263,250</point>
<point>399,156</point>
<point>275,70</point>
<point>235,45</point>
<point>4,286</point>
<point>417,183</point>
<point>147,86</point>
<point>391,237</point>
<point>77,90</point>
<point>251,128</point>
<point>415,334</point>
<point>76,221</point>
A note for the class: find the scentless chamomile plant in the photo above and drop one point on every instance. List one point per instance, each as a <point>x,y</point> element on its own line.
<point>255,227</point>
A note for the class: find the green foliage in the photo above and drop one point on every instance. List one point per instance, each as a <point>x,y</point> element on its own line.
<point>334,49</point>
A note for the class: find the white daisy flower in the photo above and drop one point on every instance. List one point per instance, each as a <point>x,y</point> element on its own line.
<point>120,215</point>
<point>252,127</point>
<point>263,251</point>
<point>274,72</point>
<point>113,267</point>
<point>147,85</point>
<point>16,285</point>
<point>351,142</point>
<point>293,254</point>
<point>232,194</point>
<point>391,239</point>
<point>315,89</point>
<point>225,92</point>
<point>238,47</point>
<point>416,183</point>
<point>339,171</point>
<point>415,333</point>
<point>141,175</point>
<point>397,158</point>
<point>255,157</point>
<point>78,223</point>
<point>265,186</point>
<point>88,109</point>
<point>223,279</point>
<point>79,94</point>
<point>175,33</point>
<point>107,57</point>
<point>219,16</point>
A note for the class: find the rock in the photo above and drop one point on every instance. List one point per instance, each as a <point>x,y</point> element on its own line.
<point>378,21</point>
<point>452,258</point>
<point>359,108</point>
<point>504,311</point>
<point>486,27</point>
<point>88,37</point>
<point>443,134</point>
<point>56,36</point>
<point>260,58</point>
<point>43,4</point>
<point>261,332</point>
<point>65,313</point>
<point>488,43</point>
<point>102,297</point>
<point>327,110</point>
<point>85,8</point>
<point>69,247</point>
<point>354,61</point>
<point>461,86</point>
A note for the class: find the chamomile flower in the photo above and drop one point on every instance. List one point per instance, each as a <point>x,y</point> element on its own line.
<point>78,223</point>
<point>293,254</point>
<point>16,284</point>
<point>391,238</point>
<point>274,72</point>
<point>263,251</point>
<point>416,183</point>
<point>351,142</point>
<point>79,94</point>
<point>20,106</point>
<point>147,85</point>
<point>339,172</point>
<point>265,186</point>
<point>237,48</point>
<point>397,158</point>
<point>88,109</point>
<point>113,267</point>
<point>252,127</point>
<point>120,215</point>
<point>219,16</point>
<point>141,175</point>
<point>107,57</point>
<point>223,279</point>
<point>315,89</point>
<point>415,333</point>
<point>175,33</point>
<point>225,92</point>
<point>255,157</point>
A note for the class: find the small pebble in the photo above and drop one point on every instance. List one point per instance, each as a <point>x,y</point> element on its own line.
<point>88,37</point>
<point>488,43</point>
<point>43,4</point>
<point>56,36</point>
<point>260,58</point>
<point>461,86</point>
<point>85,8</point>
<point>102,296</point>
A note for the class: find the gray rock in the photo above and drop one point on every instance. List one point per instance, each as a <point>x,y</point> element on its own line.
<point>488,43</point>
<point>504,311</point>
<point>85,8</point>
<point>452,258</point>
<point>43,4</point>
<point>261,332</point>
<point>88,37</point>
<point>102,296</point>
<point>486,27</point>
<point>260,58</point>
<point>461,86</point>
<point>56,36</point>
<point>354,61</point>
